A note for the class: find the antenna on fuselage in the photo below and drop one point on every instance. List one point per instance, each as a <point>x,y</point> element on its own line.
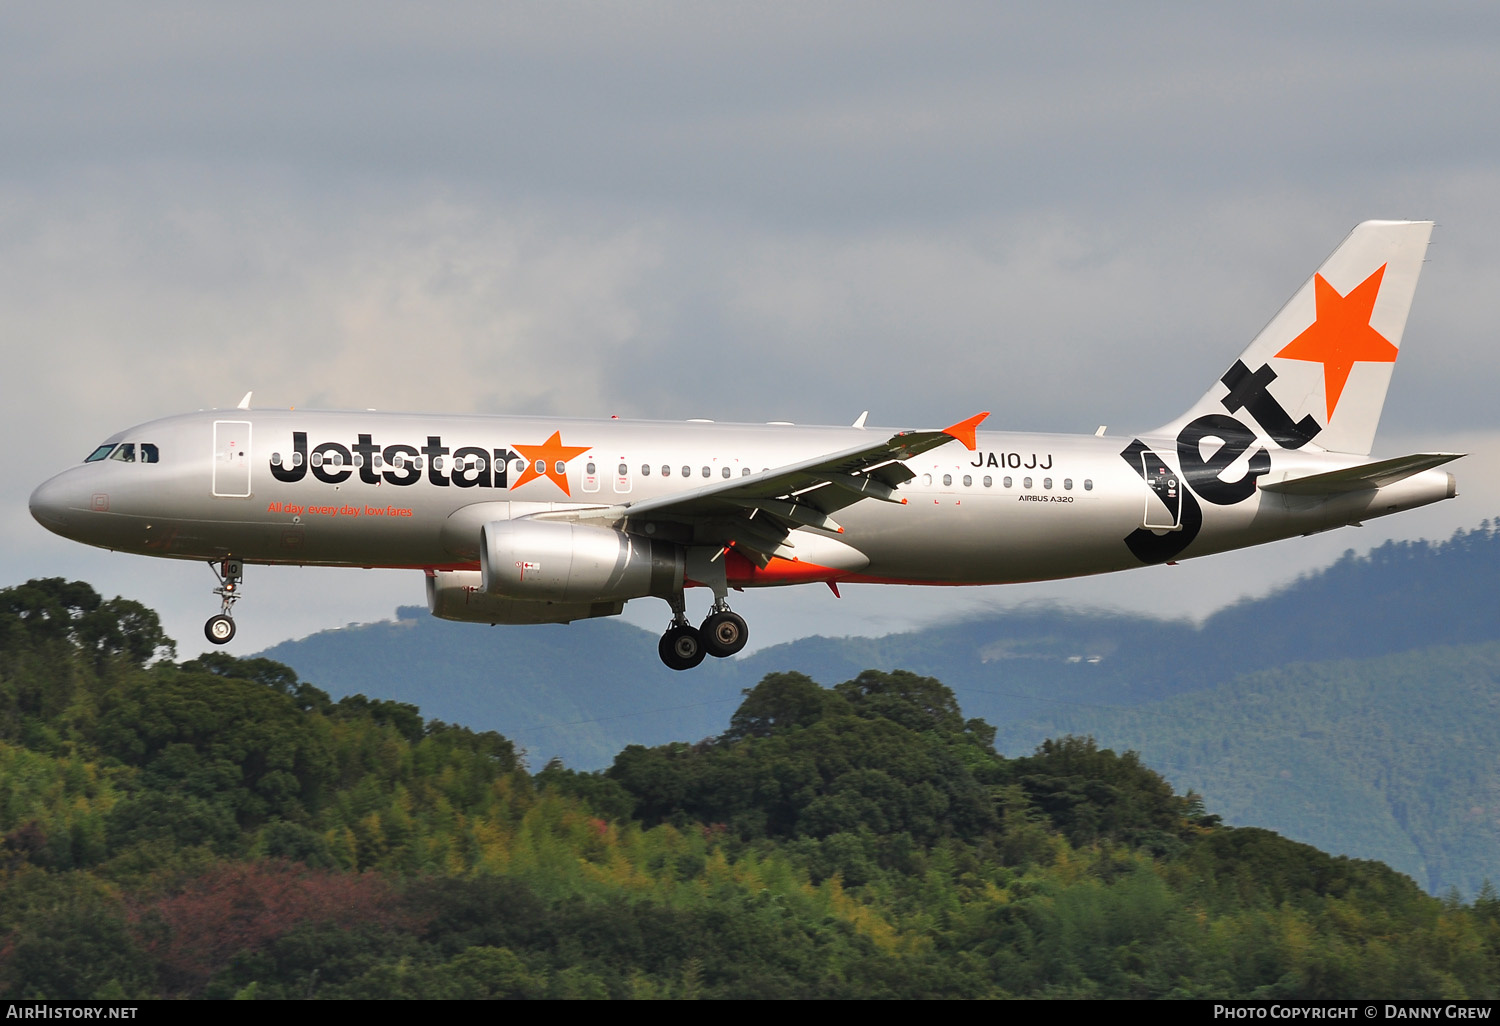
<point>245,402</point>
<point>859,423</point>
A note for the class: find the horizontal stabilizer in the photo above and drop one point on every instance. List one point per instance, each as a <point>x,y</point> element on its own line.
<point>1366,475</point>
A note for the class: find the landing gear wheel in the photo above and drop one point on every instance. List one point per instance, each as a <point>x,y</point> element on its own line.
<point>219,630</point>
<point>230,572</point>
<point>681,648</point>
<point>724,633</point>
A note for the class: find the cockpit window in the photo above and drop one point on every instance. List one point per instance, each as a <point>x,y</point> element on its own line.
<point>125,452</point>
<point>149,453</point>
<point>98,454</point>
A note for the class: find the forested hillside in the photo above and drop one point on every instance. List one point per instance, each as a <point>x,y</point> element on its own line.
<point>548,687</point>
<point>1392,758</point>
<point>579,692</point>
<point>1412,780</point>
<point>220,827</point>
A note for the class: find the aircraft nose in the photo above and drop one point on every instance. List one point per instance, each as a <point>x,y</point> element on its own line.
<point>52,503</point>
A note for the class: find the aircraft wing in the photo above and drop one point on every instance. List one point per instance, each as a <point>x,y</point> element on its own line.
<point>754,514</point>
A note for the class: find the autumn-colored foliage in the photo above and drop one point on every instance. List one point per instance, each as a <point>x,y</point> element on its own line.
<point>236,909</point>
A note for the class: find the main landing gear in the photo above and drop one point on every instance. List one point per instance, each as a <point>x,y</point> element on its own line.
<point>684,646</point>
<point>724,632</point>
<point>220,629</point>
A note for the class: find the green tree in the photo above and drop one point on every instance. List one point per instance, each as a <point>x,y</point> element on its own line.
<point>780,702</point>
<point>66,936</point>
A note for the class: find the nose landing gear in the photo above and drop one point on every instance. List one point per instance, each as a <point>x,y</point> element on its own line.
<point>220,629</point>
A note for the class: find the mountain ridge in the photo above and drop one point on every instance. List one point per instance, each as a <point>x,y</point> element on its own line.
<point>581,693</point>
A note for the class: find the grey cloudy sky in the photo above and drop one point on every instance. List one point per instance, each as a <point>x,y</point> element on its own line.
<point>1067,214</point>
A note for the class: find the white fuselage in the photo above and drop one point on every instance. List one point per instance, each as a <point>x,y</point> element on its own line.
<point>1019,507</point>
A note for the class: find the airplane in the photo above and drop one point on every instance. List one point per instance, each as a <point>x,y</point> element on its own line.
<point>528,520</point>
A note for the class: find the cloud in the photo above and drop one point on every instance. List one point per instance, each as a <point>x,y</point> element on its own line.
<point>1066,215</point>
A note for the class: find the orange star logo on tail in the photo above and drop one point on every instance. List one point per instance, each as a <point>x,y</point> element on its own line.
<point>552,455</point>
<point>1341,335</point>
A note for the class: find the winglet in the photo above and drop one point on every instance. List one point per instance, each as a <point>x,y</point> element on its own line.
<point>964,429</point>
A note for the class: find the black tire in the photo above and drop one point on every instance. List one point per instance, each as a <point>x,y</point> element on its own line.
<point>724,634</point>
<point>219,629</point>
<point>681,648</point>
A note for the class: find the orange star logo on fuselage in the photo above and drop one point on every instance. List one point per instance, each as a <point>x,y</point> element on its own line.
<point>1341,335</point>
<point>553,457</point>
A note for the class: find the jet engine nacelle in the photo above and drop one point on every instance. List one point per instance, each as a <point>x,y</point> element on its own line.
<point>460,595</point>
<point>556,561</point>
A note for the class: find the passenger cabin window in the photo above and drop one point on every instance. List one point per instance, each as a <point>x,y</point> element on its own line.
<point>98,454</point>
<point>124,452</point>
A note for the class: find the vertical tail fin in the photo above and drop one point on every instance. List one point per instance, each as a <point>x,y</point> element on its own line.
<point>1318,372</point>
